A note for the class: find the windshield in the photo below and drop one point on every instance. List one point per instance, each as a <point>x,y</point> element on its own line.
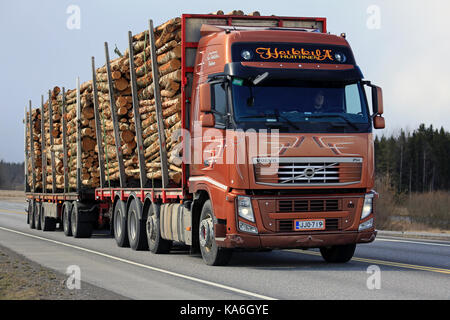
<point>318,107</point>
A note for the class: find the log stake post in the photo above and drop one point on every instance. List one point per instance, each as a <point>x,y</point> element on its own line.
<point>50,112</point>
<point>64,134</point>
<point>78,136</point>
<point>158,107</point>
<point>114,120</point>
<point>33,164</point>
<point>43,147</point>
<point>25,165</point>
<point>137,117</point>
<point>98,128</point>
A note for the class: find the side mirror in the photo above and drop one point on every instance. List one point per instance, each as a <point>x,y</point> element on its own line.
<point>379,122</point>
<point>205,97</point>
<point>377,100</point>
<point>208,120</point>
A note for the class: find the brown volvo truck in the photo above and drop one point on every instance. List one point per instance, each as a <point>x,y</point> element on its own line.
<point>277,137</point>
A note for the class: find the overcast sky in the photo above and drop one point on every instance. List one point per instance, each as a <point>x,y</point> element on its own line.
<point>403,46</point>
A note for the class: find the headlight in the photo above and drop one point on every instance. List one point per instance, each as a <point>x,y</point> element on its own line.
<point>245,210</point>
<point>368,206</point>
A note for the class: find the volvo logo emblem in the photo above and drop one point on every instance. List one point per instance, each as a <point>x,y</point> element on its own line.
<point>309,172</point>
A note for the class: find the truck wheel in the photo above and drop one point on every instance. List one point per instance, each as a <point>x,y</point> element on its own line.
<point>136,227</point>
<point>67,227</point>
<point>80,229</point>
<point>37,216</point>
<point>156,244</point>
<point>211,253</point>
<point>31,213</point>
<point>338,254</point>
<point>120,224</point>
<point>47,223</point>
<point>28,212</point>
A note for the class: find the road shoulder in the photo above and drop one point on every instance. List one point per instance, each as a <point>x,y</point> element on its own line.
<point>23,279</point>
<point>415,235</point>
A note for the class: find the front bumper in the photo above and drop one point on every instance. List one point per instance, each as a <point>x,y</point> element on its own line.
<point>290,241</point>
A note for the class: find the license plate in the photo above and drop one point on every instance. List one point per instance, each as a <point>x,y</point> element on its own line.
<point>301,225</point>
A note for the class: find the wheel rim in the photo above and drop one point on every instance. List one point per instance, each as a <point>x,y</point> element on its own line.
<point>73,220</point>
<point>206,231</point>
<point>66,218</point>
<point>151,231</point>
<point>118,224</point>
<point>36,216</point>
<point>133,222</point>
<point>42,219</point>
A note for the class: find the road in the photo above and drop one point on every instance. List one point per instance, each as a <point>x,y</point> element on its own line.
<point>388,269</point>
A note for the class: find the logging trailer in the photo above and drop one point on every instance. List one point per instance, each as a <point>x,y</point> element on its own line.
<point>277,139</point>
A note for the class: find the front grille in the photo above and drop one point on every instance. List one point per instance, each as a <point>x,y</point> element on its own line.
<point>288,225</point>
<point>308,205</point>
<point>308,171</point>
<point>289,173</point>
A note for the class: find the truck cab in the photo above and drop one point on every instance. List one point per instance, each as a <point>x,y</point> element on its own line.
<point>281,149</point>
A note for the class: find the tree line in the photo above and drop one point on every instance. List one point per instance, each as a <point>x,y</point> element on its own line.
<point>417,161</point>
<point>11,175</point>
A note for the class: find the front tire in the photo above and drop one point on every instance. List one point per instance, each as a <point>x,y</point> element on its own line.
<point>211,253</point>
<point>338,254</point>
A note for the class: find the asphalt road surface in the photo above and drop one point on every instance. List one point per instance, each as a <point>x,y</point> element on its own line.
<point>388,269</point>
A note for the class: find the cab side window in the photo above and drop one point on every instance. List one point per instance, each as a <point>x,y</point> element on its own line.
<point>219,97</point>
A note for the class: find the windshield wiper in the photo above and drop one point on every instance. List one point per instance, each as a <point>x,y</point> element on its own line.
<point>320,116</point>
<point>278,115</point>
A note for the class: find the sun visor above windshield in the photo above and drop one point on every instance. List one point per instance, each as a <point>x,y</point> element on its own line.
<point>317,62</point>
<point>292,53</point>
<point>237,69</point>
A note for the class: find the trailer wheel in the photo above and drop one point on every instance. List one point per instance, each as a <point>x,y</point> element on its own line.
<point>37,216</point>
<point>120,224</point>
<point>28,211</point>
<point>338,254</point>
<point>47,223</point>
<point>67,227</point>
<point>211,253</point>
<point>136,227</point>
<point>31,213</point>
<point>156,244</point>
<point>80,229</point>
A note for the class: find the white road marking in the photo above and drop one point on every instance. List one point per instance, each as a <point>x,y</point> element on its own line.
<point>414,242</point>
<point>209,283</point>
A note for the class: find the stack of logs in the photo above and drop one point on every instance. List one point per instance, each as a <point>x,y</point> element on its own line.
<point>36,133</point>
<point>168,52</point>
<point>90,176</point>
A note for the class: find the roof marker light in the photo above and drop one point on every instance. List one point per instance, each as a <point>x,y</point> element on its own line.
<point>340,57</point>
<point>246,55</point>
